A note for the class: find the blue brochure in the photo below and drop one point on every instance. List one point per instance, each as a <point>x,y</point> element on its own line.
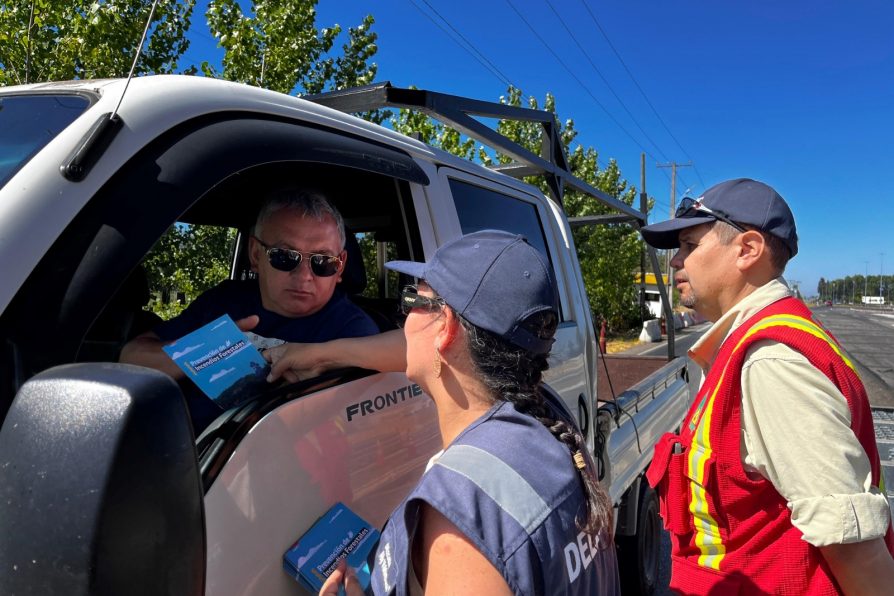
<point>339,534</point>
<point>221,360</point>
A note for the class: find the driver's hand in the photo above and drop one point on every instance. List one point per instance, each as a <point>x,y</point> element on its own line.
<point>248,323</point>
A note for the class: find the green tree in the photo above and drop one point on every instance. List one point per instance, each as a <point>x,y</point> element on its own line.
<point>185,262</point>
<point>278,46</point>
<point>434,133</point>
<point>80,39</point>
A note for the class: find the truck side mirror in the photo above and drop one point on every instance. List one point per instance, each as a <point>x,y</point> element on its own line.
<point>100,491</point>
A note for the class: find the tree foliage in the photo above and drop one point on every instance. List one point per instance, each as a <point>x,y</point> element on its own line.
<point>420,126</point>
<point>852,288</point>
<point>80,39</point>
<point>609,254</point>
<point>278,46</point>
<point>185,262</point>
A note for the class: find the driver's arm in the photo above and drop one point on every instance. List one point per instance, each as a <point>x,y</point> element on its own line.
<point>146,350</point>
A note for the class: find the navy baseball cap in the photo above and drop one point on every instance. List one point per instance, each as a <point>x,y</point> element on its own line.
<point>493,279</point>
<point>742,200</point>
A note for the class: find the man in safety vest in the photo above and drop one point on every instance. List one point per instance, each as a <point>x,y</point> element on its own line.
<point>773,484</point>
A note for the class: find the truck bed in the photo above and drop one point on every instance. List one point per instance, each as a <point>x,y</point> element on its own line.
<point>653,398</point>
<point>624,371</point>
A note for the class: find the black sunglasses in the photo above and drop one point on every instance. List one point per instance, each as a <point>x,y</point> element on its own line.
<point>286,259</point>
<point>410,299</point>
<point>687,205</point>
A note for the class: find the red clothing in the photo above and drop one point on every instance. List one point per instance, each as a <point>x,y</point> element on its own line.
<point>731,533</point>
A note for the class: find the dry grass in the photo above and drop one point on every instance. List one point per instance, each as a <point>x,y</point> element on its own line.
<point>613,346</point>
<point>622,341</point>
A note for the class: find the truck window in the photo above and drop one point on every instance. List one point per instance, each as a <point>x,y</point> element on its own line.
<point>28,122</point>
<point>187,260</point>
<point>480,208</point>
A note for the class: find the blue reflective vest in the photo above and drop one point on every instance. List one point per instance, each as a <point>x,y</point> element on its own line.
<point>512,489</point>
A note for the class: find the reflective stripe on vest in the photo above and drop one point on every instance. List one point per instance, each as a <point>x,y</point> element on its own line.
<point>500,482</point>
<point>707,531</point>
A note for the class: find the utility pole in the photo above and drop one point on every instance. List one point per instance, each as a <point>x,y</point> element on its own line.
<point>673,206</point>
<point>881,275</point>
<point>866,280</point>
<point>643,207</point>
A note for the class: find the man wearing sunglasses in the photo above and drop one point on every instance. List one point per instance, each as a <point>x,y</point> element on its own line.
<point>773,484</point>
<point>297,253</point>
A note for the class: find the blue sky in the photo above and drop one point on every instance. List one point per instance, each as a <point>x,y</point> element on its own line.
<point>796,94</point>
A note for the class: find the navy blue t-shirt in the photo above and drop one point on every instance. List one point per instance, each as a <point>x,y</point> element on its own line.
<point>239,299</point>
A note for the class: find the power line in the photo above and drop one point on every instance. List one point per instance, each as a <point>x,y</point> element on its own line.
<point>604,80</point>
<point>610,88</point>
<point>581,83</point>
<point>635,82</point>
<point>469,47</point>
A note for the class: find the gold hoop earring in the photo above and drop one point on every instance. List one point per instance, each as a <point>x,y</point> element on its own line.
<point>436,365</point>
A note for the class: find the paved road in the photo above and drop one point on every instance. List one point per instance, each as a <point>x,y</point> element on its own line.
<point>868,336</point>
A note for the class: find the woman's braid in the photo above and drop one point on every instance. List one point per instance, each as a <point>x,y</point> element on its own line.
<point>512,374</point>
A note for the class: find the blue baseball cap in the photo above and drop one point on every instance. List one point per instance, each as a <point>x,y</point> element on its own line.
<point>493,279</point>
<point>742,200</point>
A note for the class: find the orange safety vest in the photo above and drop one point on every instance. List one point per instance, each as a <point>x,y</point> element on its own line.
<point>732,534</point>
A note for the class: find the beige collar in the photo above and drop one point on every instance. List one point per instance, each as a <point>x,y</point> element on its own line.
<point>705,349</point>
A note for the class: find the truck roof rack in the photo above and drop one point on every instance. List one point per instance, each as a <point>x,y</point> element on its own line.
<point>458,113</point>
<point>552,162</point>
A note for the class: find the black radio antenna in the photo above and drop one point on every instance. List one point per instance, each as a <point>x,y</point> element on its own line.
<point>136,58</point>
<point>85,155</point>
<point>28,48</point>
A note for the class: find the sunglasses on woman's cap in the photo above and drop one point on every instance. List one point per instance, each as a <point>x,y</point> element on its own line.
<point>286,259</point>
<point>687,204</point>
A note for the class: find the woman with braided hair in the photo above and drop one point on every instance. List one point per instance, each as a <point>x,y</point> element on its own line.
<point>512,504</point>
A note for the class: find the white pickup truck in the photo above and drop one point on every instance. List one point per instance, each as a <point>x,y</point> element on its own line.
<point>103,487</point>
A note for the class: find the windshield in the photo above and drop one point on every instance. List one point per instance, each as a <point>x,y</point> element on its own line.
<point>28,122</point>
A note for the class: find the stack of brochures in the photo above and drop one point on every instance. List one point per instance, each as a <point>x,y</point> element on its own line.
<point>339,534</point>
